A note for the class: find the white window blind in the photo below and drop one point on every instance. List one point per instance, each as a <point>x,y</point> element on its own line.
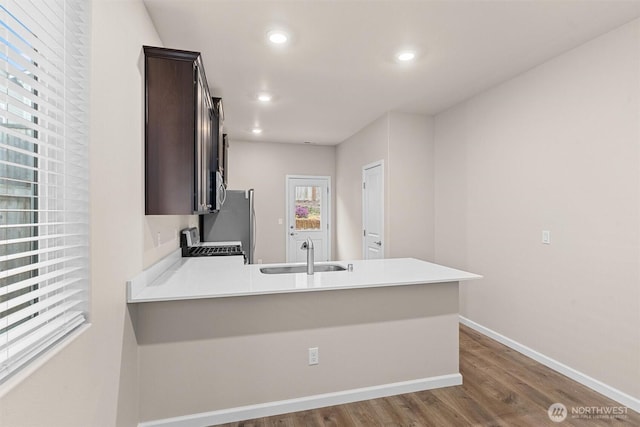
<point>44,200</point>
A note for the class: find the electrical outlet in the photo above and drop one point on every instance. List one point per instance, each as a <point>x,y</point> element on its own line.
<point>313,356</point>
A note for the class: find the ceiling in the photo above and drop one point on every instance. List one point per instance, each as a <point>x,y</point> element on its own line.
<point>338,72</point>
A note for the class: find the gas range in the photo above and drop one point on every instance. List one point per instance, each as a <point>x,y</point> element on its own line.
<point>223,249</point>
<point>193,247</point>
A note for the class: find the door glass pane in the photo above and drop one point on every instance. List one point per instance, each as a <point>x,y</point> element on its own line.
<point>308,203</point>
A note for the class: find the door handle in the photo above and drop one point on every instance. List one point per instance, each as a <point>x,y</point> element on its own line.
<point>379,243</point>
<point>292,234</point>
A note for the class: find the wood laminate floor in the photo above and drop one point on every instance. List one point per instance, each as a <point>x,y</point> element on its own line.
<point>501,388</point>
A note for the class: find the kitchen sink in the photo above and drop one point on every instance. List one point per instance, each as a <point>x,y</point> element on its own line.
<point>287,269</point>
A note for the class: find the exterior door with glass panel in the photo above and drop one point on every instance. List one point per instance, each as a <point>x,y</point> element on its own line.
<point>308,216</point>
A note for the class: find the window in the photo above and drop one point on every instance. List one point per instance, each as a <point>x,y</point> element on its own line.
<point>44,200</point>
<point>308,207</point>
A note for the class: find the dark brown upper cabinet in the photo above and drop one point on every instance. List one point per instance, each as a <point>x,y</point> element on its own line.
<point>181,153</point>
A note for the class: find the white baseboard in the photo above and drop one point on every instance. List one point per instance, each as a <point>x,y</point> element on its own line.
<point>598,386</point>
<point>304,403</point>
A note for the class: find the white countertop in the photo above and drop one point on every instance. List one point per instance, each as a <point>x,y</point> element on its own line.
<point>176,278</point>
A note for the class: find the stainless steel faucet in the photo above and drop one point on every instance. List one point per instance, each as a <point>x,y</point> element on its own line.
<point>308,245</point>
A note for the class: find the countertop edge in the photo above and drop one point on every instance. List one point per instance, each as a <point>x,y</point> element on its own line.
<point>298,291</point>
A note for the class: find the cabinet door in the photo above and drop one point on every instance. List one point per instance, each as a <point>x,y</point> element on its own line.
<point>169,146</point>
<point>203,197</point>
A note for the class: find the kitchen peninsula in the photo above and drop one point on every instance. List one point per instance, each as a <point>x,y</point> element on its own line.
<point>239,339</point>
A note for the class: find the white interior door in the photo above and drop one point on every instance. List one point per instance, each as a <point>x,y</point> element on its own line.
<point>308,208</point>
<point>373,210</point>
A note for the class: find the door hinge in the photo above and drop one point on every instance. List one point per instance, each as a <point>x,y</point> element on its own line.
<point>364,185</point>
<point>364,233</point>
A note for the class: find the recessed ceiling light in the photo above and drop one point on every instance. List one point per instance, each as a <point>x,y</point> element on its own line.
<point>264,97</point>
<point>256,131</point>
<point>406,56</point>
<point>278,37</point>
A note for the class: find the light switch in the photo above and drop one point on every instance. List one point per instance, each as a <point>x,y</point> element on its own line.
<point>279,221</point>
<point>546,237</point>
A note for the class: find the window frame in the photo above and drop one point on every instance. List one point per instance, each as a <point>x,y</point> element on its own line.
<point>44,89</point>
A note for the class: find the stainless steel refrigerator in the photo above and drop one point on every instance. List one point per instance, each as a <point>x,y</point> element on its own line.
<point>235,221</point>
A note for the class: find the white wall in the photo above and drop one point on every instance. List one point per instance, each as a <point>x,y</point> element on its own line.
<point>557,149</point>
<point>93,380</point>
<point>405,143</point>
<point>264,166</point>
<point>410,199</point>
